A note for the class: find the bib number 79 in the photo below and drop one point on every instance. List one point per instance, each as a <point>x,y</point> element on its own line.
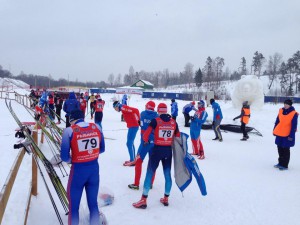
<point>88,144</point>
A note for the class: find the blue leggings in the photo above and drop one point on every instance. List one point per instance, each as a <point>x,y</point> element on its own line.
<point>130,141</point>
<point>144,149</point>
<point>163,154</point>
<point>85,175</point>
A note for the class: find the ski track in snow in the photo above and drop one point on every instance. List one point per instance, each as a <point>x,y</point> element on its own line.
<point>242,185</point>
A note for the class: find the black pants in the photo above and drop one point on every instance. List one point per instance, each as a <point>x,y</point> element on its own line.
<point>186,119</point>
<point>68,121</point>
<point>284,156</point>
<point>58,113</point>
<point>243,128</point>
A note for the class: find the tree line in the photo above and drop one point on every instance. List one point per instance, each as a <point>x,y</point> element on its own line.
<point>212,73</point>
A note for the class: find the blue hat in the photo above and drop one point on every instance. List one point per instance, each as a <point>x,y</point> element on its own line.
<point>201,103</point>
<point>76,114</point>
<point>116,103</point>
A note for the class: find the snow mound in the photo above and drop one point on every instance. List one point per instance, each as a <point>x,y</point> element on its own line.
<point>248,88</point>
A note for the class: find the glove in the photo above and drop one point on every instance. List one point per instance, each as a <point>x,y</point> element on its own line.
<point>17,146</point>
<point>139,122</point>
<point>290,139</point>
<point>146,143</point>
<point>192,118</point>
<point>213,123</point>
<point>234,119</point>
<point>19,134</point>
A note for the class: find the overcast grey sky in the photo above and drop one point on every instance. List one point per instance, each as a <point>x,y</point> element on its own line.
<point>90,39</point>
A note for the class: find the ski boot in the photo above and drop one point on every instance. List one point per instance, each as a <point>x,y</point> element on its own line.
<point>244,139</point>
<point>216,138</point>
<point>133,186</point>
<point>141,204</point>
<point>165,200</point>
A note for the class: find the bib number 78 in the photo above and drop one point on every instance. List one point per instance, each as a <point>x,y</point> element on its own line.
<point>166,133</point>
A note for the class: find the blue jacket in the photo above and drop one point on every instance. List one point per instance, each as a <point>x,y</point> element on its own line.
<point>43,99</point>
<point>174,109</point>
<point>196,124</point>
<point>217,111</point>
<point>71,103</point>
<point>146,117</point>
<point>188,107</point>
<point>289,141</point>
<point>124,100</point>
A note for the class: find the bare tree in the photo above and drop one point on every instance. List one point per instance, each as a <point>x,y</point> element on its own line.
<point>111,79</point>
<point>273,67</point>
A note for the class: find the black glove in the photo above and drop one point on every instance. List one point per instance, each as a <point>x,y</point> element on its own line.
<point>234,119</point>
<point>139,122</point>
<point>19,134</point>
<point>17,146</point>
<point>213,123</point>
<point>192,118</point>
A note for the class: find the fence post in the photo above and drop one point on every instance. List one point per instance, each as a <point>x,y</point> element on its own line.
<point>34,166</point>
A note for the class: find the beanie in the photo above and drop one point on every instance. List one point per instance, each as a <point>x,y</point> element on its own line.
<point>150,105</point>
<point>193,102</point>
<point>116,103</point>
<point>245,103</point>
<point>201,103</point>
<point>173,100</point>
<point>288,102</point>
<point>76,114</point>
<point>211,101</point>
<point>162,108</point>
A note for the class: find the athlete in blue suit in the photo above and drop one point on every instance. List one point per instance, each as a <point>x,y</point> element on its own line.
<point>86,142</point>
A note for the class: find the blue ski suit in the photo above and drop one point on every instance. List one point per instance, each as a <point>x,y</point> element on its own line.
<point>159,153</point>
<point>146,117</point>
<point>82,175</point>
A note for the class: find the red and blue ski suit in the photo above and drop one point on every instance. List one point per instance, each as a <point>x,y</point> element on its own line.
<point>146,117</point>
<point>165,128</point>
<point>132,117</point>
<point>196,123</point>
<point>86,142</point>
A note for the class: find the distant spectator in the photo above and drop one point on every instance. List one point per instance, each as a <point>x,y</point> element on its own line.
<point>174,109</point>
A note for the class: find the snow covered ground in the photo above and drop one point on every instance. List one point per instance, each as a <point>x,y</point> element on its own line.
<point>242,185</point>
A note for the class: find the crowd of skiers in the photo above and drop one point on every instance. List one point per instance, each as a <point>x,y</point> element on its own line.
<point>158,131</point>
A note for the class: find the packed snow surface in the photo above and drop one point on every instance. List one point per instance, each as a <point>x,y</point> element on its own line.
<point>243,186</point>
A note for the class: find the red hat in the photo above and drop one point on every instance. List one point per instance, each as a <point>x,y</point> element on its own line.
<point>193,102</point>
<point>162,108</point>
<point>150,105</point>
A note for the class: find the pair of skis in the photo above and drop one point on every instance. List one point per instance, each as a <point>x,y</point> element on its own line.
<point>31,147</point>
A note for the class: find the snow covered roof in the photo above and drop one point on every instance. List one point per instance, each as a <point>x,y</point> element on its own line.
<point>147,82</point>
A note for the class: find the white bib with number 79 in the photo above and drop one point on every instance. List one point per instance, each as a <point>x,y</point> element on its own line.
<point>88,144</point>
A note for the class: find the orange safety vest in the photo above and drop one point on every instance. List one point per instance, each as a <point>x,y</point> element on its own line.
<point>283,128</point>
<point>85,143</point>
<point>246,116</point>
<point>164,132</point>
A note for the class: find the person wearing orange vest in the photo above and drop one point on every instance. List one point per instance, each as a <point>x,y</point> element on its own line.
<point>245,116</point>
<point>86,142</point>
<point>165,129</point>
<point>284,130</point>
